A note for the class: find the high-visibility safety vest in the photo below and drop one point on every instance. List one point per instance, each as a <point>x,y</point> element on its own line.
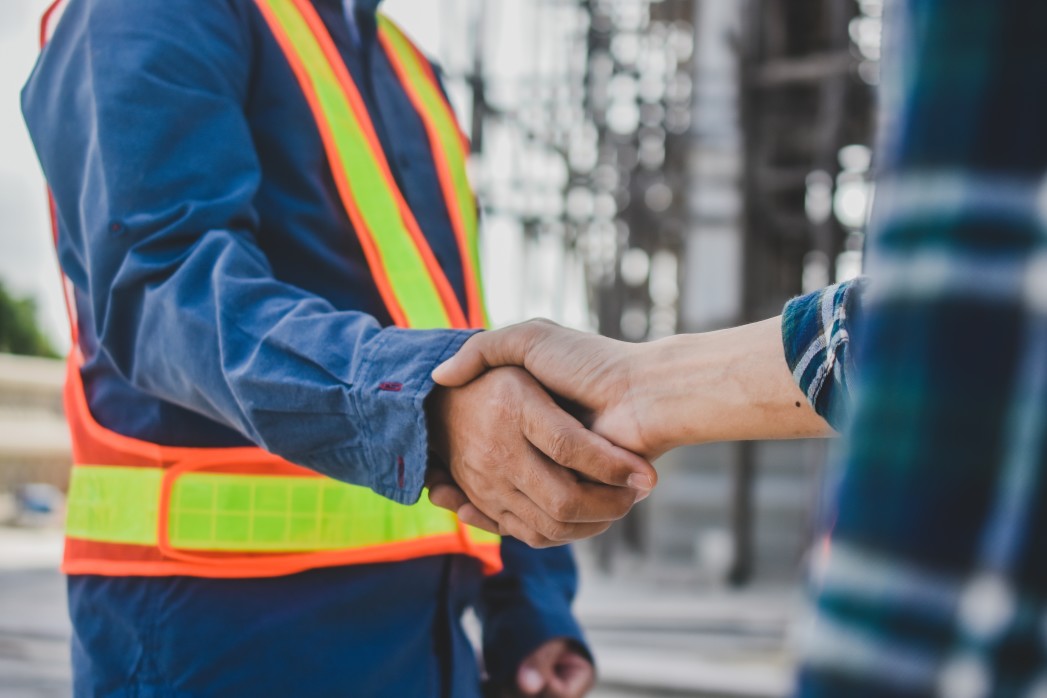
<point>141,509</point>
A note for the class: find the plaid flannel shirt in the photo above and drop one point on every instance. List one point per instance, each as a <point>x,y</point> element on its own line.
<point>936,581</point>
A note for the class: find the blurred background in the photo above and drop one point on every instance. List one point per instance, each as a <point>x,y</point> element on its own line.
<point>645,168</point>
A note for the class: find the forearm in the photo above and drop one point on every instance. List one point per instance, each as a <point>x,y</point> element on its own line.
<point>728,385</point>
<point>325,388</point>
<point>735,384</point>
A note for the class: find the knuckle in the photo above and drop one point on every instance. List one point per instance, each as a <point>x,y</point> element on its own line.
<point>564,505</point>
<point>560,532</point>
<point>502,401</point>
<point>535,330</point>
<point>504,529</point>
<point>535,539</point>
<point>561,444</point>
<point>490,451</point>
<point>622,502</point>
<point>539,324</point>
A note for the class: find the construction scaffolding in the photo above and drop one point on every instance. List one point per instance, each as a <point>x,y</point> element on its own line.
<point>808,68</point>
<point>652,167</point>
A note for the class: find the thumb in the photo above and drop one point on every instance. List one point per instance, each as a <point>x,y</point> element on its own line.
<point>465,365</point>
<point>505,347</point>
<point>530,679</point>
<point>538,671</point>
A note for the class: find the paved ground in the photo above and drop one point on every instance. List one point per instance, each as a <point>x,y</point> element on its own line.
<point>651,642</point>
<point>34,631</point>
<point>659,641</point>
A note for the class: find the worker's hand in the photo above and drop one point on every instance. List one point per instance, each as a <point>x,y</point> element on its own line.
<point>557,669</point>
<point>522,466</point>
<point>594,372</point>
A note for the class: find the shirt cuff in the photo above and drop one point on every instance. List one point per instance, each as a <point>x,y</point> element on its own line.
<point>519,631</point>
<point>527,605</point>
<point>816,333</point>
<point>389,395</point>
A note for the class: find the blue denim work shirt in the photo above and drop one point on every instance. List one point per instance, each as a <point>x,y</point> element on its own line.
<point>223,299</point>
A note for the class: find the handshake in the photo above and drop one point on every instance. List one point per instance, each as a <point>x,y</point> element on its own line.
<point>547,434</point>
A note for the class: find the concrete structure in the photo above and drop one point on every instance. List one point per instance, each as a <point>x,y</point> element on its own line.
<point>34,440</point>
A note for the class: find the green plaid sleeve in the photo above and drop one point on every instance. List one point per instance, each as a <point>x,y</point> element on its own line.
<point>816,331</point>
<point>934,583</point>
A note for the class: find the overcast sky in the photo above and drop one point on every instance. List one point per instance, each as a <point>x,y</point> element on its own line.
<point>27,262</point>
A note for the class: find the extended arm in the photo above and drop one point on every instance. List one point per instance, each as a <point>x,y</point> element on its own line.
<point>779,378</point>
<point>776,379</point>
<point>729,385</point>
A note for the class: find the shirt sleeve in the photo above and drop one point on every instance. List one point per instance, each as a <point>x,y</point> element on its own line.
<point>136,111</point>
<point>526,605</point>
<point>817,330</point>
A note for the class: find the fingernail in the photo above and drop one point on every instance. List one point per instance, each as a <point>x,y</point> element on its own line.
<point>640,482</point>
<point>642,496</point>
<point>530,680</point>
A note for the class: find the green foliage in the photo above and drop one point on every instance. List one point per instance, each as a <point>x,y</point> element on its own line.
<point>19,332</point>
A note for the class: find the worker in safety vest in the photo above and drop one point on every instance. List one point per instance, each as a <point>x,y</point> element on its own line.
<point>269,242</point>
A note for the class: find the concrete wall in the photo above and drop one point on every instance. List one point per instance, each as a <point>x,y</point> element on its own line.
<point>34,440</point>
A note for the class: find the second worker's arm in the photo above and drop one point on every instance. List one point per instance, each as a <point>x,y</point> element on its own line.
<point>785,377</point>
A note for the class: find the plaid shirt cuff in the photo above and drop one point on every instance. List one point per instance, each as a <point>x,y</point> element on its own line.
<point>816,330</point>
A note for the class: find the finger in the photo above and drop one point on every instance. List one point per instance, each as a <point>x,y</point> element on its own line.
<point>447,497</point>
<point>446,494</point>
<point>437,476</point>
<point>573,676</point>
<point>559,497</point>
<point>505,347</point>
<point>567,442</point>
<point>537,670</point>
<point>469,362</point>
<point>443,490</point>
<point>470,515</point>
<point>529,524</point>
<point>529,681</point>
<point>512,525</point>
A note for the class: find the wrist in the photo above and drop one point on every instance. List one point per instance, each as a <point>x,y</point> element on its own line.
<point>728,385</point>
<point>665,376</point>
<point>437,409</point>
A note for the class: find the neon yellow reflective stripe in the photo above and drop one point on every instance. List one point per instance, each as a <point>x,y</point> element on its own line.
<point>245,513</point>
<point>450,140</point>
<point>268,513</point>
<point>114,504</point>
<point>408,275</point>
<point>259,513</point>
<point>480,536</point>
